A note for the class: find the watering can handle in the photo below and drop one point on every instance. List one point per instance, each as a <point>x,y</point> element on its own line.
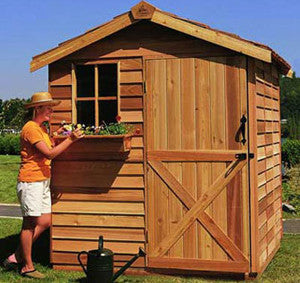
<point>81,264</point>
<point>100,243</point>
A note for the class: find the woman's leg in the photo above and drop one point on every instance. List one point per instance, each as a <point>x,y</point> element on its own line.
<point>26,239</point>
<point>42,223</point>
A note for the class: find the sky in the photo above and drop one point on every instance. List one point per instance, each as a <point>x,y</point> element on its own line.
<point>30,27</point>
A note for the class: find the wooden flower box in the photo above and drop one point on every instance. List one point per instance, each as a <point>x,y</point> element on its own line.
<point>96,148</point>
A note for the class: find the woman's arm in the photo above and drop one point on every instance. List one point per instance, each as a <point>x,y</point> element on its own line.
<point>53,152</point>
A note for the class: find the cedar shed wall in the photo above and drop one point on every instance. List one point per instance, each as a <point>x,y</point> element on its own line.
<point>264,103</point>
<point>107,197</point>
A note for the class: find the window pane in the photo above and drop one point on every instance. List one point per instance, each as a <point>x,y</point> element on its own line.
<point>107,111</point>
<point>85,76</point>
<point>86,112</point>
<point>108,79</point>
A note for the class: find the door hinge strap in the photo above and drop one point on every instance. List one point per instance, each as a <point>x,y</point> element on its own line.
<point>243,156</point>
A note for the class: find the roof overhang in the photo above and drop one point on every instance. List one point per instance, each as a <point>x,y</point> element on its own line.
<point>144,10</point>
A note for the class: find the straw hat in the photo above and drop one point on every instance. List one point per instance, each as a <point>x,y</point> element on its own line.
<point>41,99</point>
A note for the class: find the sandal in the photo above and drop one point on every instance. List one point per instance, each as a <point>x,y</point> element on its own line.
<point>33,274</point>
<point>9,265</point>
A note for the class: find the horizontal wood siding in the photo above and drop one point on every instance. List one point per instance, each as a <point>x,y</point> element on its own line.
<point>60,86</point>
<point>268,161</point>
<point>96,192</point>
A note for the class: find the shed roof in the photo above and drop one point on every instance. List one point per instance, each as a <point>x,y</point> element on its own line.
<point>146,11</point>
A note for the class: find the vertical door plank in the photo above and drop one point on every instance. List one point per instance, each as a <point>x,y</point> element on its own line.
<point>189,142</point>
<point>150,145</point>
<point>218,113</point>
<point>174,143</point>
<point>244,172</point>
<point>233,116</point>
<point>203,141</point>
<point>160,143</point>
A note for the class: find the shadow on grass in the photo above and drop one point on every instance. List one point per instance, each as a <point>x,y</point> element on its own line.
<point>40,251</point>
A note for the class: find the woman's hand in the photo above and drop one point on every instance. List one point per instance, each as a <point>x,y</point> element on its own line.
<point>76,135</point>
<point>53,152</point>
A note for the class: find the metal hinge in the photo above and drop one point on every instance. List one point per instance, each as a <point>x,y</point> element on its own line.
<point>251,155</point>
<point>243,156</point>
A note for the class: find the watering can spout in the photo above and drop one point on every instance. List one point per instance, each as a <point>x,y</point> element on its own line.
<point>129,263</point>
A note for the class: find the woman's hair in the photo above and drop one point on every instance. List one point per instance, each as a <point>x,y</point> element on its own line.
<point>29,114</point>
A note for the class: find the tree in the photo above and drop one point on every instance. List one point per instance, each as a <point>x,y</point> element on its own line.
<point>290,106</point>
<point>290,97</point>
<point>12,114</point>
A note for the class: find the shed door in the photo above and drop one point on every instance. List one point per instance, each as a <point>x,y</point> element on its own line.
<point>197,181</point>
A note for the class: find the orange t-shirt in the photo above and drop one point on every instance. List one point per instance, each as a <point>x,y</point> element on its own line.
<point>34,165</point>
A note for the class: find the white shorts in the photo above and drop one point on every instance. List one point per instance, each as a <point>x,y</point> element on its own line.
<point>34,197</point>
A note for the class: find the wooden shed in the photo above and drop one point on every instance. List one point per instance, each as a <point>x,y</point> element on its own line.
<point>200,187</point>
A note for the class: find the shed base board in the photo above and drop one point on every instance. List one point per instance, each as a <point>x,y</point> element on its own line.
<point>166,272</point>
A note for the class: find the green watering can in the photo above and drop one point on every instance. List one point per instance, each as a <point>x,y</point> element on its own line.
<point>100,264</point>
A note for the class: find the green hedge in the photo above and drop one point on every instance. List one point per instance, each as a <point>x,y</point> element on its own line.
<point>291,152</point>
<point>10,144</point>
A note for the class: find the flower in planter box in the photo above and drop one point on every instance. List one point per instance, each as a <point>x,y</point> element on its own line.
<point>118,118</point>
<point>118,128</point>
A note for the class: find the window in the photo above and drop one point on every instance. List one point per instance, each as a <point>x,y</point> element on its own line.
<point>95,94</point>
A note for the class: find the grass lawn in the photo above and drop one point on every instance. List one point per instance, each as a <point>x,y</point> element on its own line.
<point>284,267</point>
<point>9,168</point>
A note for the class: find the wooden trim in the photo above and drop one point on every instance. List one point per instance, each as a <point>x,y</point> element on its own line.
<point>212,36</point>
<point>85,98</point>
<point>290,73</point>
<point>74,94</point>
<point>105,98</point>
<point>198,264</point>
<point>191,155</point>
<point>96,95</point>
<point>254,232</point>
<point>143,10</point>
<point>80,42</point>
<point>212,192</point>
<point>118,87</point>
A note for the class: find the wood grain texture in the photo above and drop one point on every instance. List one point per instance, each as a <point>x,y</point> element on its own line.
<point>77,246</point>
<point>79,42</point>
<point>97,220</point>
<point>218,140</point>
<point>97,194</point>
<point>182,105</point>
<point>98,207</point>
<point>61,91</point>
<point>212,36</point>
<point>197,264</point>
<point>253,165</point>
<point>188,97</point>
<point>92,233</point>
<point>268,162</point>
<point>203,141</point>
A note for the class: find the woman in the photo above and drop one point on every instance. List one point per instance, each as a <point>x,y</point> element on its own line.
<point>33,189</point>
